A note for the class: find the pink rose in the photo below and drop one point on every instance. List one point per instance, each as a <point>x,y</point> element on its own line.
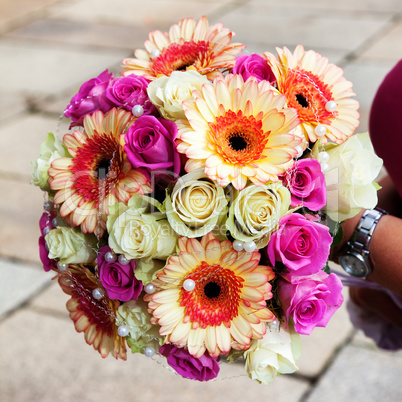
<point>149,144</point>
<point>312,301</point>
<point>300,244</point>
<point>253,65</point>
<point>204,368</point>
<point>306,183</point>
<point>90,98</point>
<point>117,279</point>
<point>126,92</point>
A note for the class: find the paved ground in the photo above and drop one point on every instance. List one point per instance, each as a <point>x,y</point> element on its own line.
<point>48,48</point>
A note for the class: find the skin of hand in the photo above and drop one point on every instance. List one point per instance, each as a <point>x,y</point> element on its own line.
<point>385,253</point>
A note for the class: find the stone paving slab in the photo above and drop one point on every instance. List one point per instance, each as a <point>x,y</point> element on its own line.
<point>21,206</point>
<point>156,14</point>
<point>360,374</point>
<point>272,24</point>
<point>41,69</point>
<point>369,6</point>
<point>49,361</point>
<point>16,12</point>
<point>18,283</point>
<point>388,47</point>
<point>80,33</point>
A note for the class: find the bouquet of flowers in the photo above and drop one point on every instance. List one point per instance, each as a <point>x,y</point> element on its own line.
<point>193,203</point>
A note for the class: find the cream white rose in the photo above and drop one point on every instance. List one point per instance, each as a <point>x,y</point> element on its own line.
<point>142,333</point>
<point>168,93</point>
<point>52,148</point>
<point>276,353</point>
<point>137,231</point>
<point>353,167</point>
<point>196,206</point>
<point>255,212</point>
<point>71,246</point>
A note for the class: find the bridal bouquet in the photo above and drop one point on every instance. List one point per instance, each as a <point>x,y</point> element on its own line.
<point>193,203</point>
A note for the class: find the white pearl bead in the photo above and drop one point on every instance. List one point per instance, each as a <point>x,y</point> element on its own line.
<point>323,156</point>
<point>98,293</point>
<point>299,150</point>
<point>46,230</point>
<point>123,260</point>
<point>48,205</point>
<point>324,167</point>
<point>249,246</point>
<point>149,351</point>
<point>98,231</point>
<point>189,285</point>
<point>274,326</point>
<point>110,256</point>
<point>331,106</point>
<point>54,222</point>
<point>149,288</point>
<point>137,110</point>
<point>238,245</point>
<point>155,53</point>
<point>123,330</point>
<point>62,267</point>
<point>320,130</point>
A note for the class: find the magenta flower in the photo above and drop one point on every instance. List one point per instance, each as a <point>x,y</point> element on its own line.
<point>254,65</point>
<point>306,183</point>
<point>312,301</point>
<point>204,368</point>
<point>149,143</point>
<point>117,279</point>
<point>301,244</point>
<point>126,92</point>
<point>90,98</point>
<point>45,221</point>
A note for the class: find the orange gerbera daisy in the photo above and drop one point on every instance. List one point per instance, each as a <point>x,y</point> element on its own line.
<point>94,317</point>
<point>237,131</point>
<point>319,92</point>
<point>226,308</point>
<point>98,174</point>
<point>187,45</point>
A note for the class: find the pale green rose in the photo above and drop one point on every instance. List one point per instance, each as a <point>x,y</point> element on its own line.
<point>276,353</point>
<point>255,212</point>
<point>52,148</point>
<point>196,206</point>
<point>353,167</point>
<point>142,333</point>
<point>71,246</point>
<point>168,93</point>
<point>146,269</point>
<point>138,230</point>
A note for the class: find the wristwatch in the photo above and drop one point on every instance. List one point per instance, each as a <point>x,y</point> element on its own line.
<point>355,258</point>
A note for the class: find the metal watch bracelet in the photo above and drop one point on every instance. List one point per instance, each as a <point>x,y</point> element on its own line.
<point>362,235</point>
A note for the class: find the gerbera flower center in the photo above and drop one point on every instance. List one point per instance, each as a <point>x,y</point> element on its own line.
<point>179,56</point>
<point>216,297</point>
<point>237,138</point>
<point>97,167</point>
<point>309,95</point>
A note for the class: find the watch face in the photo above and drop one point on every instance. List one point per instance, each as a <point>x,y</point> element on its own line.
<point>355,265</point>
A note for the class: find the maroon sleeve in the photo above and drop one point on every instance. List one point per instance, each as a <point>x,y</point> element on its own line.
<point>385,125</point>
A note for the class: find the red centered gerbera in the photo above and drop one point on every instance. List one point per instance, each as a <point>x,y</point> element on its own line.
<point>96,318</point>
<point>98,174</point>
<point>187,45</point>
<point>226,308</point>
<point>319,92</point>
